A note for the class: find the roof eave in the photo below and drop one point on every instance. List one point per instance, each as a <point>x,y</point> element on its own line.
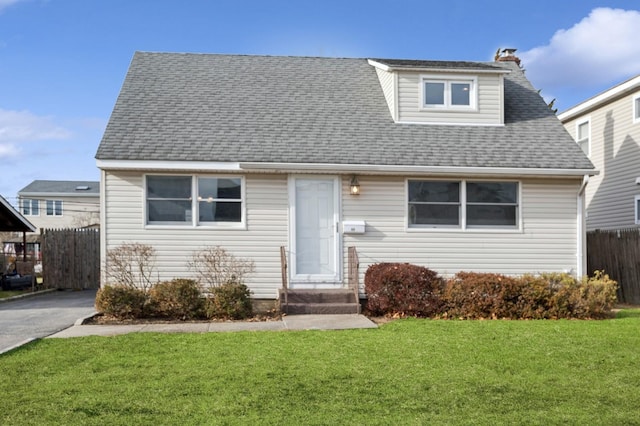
<point>17,215</point>
<point>391,68</point>
<point>602,98</point>
<point>195,166</point>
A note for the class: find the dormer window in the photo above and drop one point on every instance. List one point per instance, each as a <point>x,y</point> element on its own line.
<point>448,92</point>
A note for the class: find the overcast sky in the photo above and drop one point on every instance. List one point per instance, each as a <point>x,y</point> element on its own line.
<point>62,62</point>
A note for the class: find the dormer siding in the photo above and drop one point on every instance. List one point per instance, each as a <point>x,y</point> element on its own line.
<point>387,82</point>
<point>488,110</point>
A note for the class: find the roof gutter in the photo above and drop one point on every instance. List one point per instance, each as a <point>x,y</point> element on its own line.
<point>416,170</point>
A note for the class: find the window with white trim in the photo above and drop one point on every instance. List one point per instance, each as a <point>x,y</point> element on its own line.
<point>54,207</point>
<point>30,207</point>
<point>448,93</point>
<point>172,200</point>
<point>583,135</point>
<point>463,204</point>
<point>636,108</point>
<point>637,208</point>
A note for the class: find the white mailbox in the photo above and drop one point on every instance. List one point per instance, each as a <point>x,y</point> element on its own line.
<point>353,227</point>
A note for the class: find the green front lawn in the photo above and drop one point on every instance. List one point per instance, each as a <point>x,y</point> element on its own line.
<point>407,372</point>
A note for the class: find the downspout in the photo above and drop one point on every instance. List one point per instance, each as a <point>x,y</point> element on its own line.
<point>581,229</point>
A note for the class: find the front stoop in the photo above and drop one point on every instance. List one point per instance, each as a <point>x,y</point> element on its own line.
<point>340,301</point>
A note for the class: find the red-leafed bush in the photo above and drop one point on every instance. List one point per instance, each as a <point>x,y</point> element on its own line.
<point>402,288</point>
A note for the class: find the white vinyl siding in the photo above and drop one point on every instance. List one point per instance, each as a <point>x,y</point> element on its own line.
<point>547,241</point>
<point>615,152</point>
<point>266,229</point>
<point>488,111</point>
<point>388,88</point>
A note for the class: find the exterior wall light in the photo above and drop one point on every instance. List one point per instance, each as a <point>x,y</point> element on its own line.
<point>354,186</point>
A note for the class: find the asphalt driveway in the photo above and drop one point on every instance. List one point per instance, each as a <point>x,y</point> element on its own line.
<point>39,316</point>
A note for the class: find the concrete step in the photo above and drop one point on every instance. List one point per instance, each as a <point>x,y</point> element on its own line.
<point>321,308</point>
<point>319,296</point>
<point>319,301</point>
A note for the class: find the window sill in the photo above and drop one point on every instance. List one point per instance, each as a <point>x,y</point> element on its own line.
<point>443,229</point>
<point>464,109</point>
<point>234,227</point>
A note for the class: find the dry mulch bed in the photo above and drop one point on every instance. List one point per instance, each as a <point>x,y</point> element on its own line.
<point>102,319</point>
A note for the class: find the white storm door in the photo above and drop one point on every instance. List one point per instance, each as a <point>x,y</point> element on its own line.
<point>314,215</point>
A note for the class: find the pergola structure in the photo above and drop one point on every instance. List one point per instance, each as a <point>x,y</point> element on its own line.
<point>12,221</point>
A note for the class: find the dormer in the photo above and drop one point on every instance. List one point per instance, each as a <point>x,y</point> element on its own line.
<point>443,92</point>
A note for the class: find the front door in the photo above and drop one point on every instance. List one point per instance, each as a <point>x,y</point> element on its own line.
<point>314,239</point>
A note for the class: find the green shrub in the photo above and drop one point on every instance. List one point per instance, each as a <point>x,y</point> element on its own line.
<point>177,299</point>
<point>402,289</point>
<point>121,302</point>
<point>231,300</point>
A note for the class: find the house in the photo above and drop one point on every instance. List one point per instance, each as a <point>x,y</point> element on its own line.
<point>607,127</point>
<point>448,164</point>
<point>61,204</point>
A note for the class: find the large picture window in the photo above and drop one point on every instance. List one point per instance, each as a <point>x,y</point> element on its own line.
<point>219,199</point>
<point>172,200</point>
<point>492,204</point>
<point>462,204</point>
<point>434,203</point>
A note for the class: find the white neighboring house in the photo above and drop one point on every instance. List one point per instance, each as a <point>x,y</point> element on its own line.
<point>447,164</point>
<point>607,128</point>
<point>61,204</point>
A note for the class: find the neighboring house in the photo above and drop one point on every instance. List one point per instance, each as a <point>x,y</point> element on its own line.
<point>451,165</point>
<point>61,204</point>
<point>607,128</point>
<point>12,222</point>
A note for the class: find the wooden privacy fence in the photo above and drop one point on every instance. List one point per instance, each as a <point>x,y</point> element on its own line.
<point>617,252</point>
<point>71,258</point>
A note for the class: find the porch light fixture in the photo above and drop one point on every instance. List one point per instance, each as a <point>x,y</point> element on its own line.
<point>354,186</point>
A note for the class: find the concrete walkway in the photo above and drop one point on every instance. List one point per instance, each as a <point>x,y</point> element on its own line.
<point>289,322</point>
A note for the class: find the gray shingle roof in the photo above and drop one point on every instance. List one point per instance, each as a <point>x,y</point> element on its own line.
<point>69,187</point>
<point>205,107</point>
